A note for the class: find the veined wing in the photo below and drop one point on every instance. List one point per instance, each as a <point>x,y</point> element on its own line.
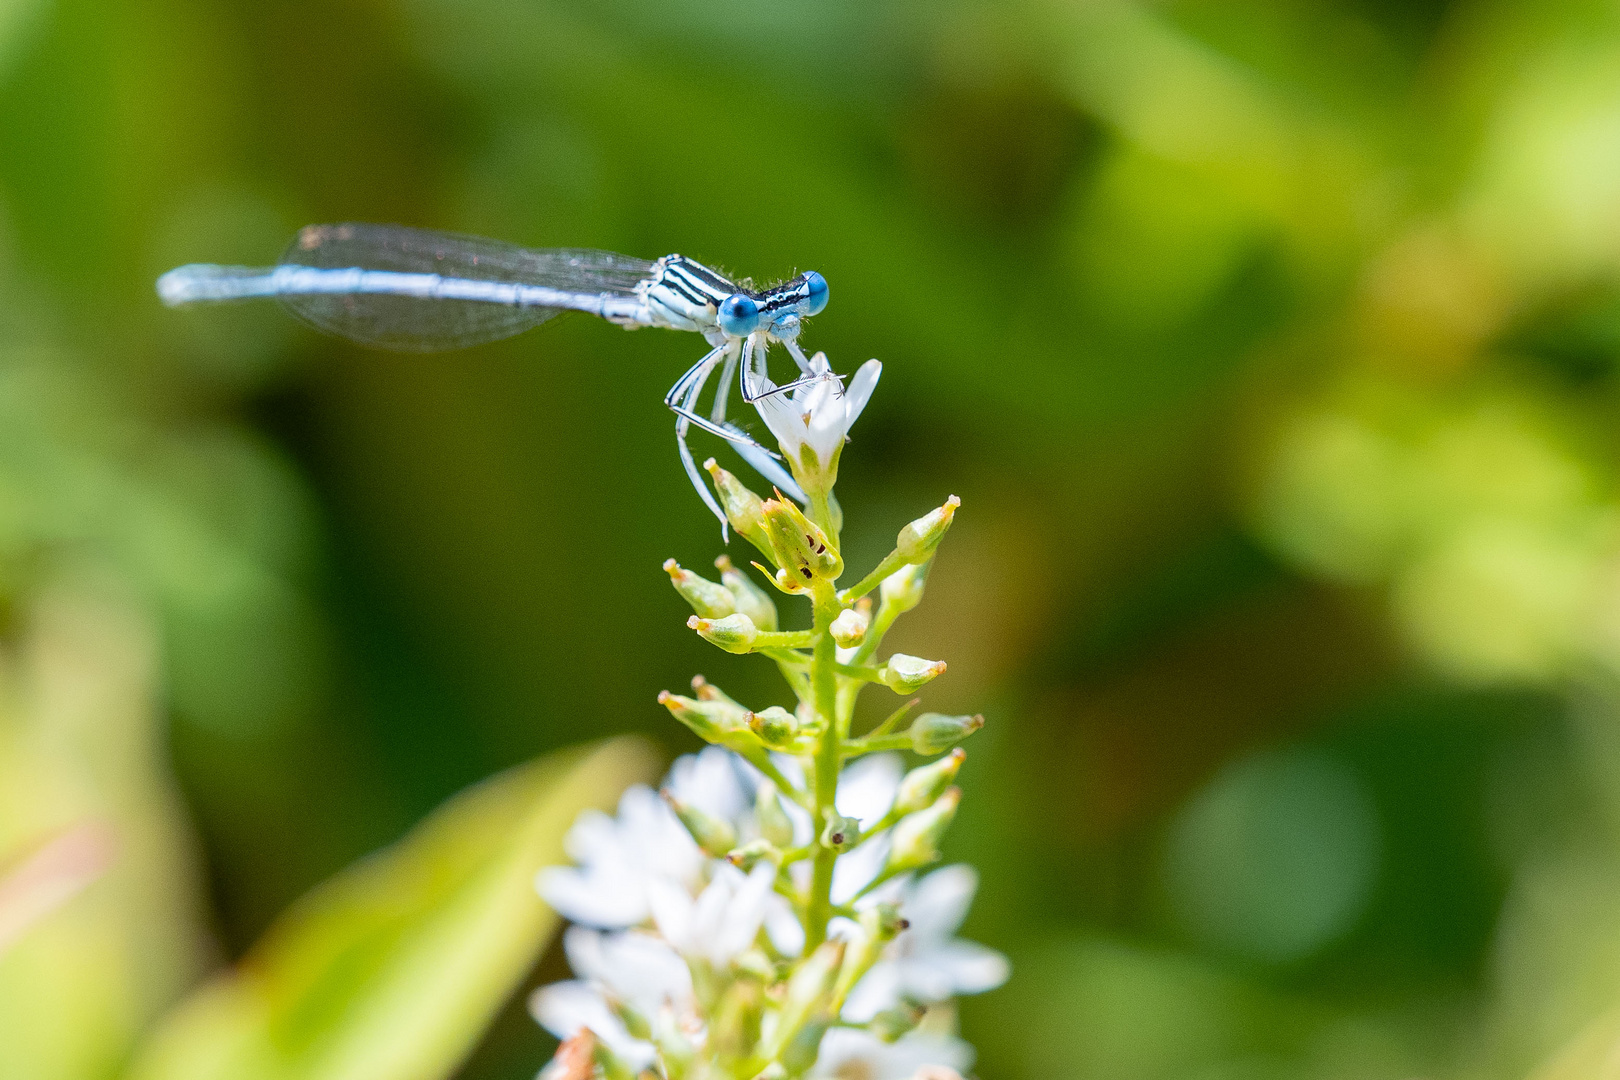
<point>416,290</point>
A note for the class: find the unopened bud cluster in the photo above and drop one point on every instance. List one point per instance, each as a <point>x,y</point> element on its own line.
<point>752,920</point>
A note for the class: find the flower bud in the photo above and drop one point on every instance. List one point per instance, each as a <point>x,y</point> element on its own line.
<point>708,599</point>
<point>775,726</point>
<point>903,589</point>
<point>883,922</point>
<point>710,720</point>
<point>879,924</point>
<point>918,540</point>
<point>734,1023</point>
<point>841,833</point>
<point>805,1046</point>
<point>933,732</point>
<point>743,508</point>
<point>713,835</point>
<point>751,854</point>
<point>774,824</point>
<point>749,598</point>
<point>903,674</point>
<point>707,691</point>
<point>890,1024</point>
<point>849,628</point>
<point>920,787</point>
<point>734,633</point>
<point>916,839</point>
<point>800,547</point>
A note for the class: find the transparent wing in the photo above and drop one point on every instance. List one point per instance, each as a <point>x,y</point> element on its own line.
<point>425,324</point>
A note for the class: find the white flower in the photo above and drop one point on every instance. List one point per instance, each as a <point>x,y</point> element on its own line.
<point>927,963</point>
<point>849,1054</point>
<point>819,415</point>
<point>634,969</point>
<point>722,921</point>
<point>619,858</point>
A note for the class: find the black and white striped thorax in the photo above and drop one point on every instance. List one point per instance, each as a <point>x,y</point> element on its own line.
<point>683,294</point>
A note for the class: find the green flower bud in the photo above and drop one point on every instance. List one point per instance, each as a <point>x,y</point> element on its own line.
<point>916,839</point>
<point>774,824</point>
<point>749,598</point>
<point>903,589</point>
<point>880,925</point>
<point>849,628</point>
<point>805,1046</point>
<point>801,548</point>
<point>708,599</point>
<point>920,787</point>
<point>734,633</point>
<point>918,540</point>
<point>735,1020</point>
<point>904,674</point>
<point>743,508</point>
<point>933,732</point>
<point>890,1024</point>
<point>711,720</point>
<point>775,726</point>
<point>840,833</point>
<point>751,854</point>
<point>707,691</point>
<point>883,922</point>
<point>712,834</point>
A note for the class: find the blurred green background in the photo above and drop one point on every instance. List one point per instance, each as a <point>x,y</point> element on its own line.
<point>1273,347</point>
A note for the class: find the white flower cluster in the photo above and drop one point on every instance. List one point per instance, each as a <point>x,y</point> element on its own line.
<point>663,929</point>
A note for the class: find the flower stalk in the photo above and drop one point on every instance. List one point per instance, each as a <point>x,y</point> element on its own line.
<point>752,918</point>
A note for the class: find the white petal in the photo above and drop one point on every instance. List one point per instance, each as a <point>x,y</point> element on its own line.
<point>860,391</point>
<point>593,899</point>
<point>592,830</point>
<point>744,914</point>
<point>785,420</point>
<point>644,971</point>
<point>972,968</point>
<point>566,1007</point>
<point>851,1052</point>
<point>866,789</point>
<point>853,871</point>
<point>709,781</point>
<point>879,989</point>
<point>917,1049</point>
<point>938,903</point>
<point>584,951</point>
<point>671,911</point>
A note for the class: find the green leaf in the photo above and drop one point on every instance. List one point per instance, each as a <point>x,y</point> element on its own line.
<point>392,970</point>
<point>1594,1054</point>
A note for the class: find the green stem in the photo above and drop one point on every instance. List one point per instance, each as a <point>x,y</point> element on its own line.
<point>824,688</point>
<point>891,562</point>
<point>893,720</point>
<point>871,745</point>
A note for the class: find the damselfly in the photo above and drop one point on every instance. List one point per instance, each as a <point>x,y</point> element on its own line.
<point>414,290</point>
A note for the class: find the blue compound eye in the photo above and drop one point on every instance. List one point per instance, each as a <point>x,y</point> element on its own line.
<point>815,294</point>
<point>739,315</point>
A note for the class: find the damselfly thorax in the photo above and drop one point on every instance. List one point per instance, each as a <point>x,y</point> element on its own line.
<point>414,290</point>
